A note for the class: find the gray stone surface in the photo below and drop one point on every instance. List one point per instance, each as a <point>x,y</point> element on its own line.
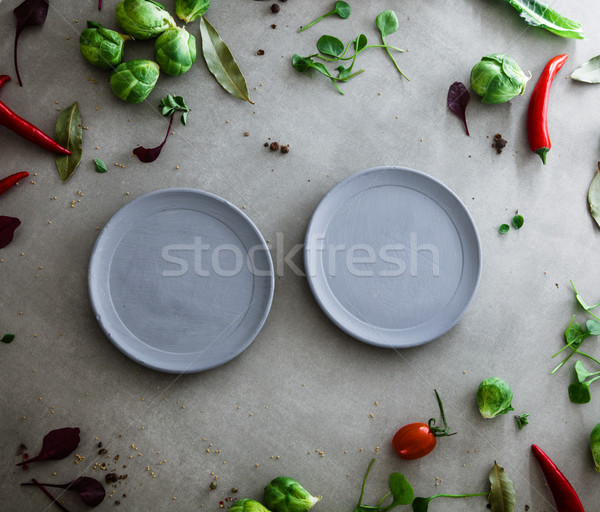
<point>299,400</point>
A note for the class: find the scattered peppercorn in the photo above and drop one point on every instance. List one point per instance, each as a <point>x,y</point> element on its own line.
<point>212,486</point>
<point>275,8</point>
<point>274,146</point>
<point>266,144</point>
<point>499,143</point>
<point>273,26</point>
<point>260,52</point>
<point>102,451</point>
<point>111,478</point>
<point>285,149</point>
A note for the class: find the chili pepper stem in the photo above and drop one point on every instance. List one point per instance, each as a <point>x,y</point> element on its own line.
<point>543,152</point>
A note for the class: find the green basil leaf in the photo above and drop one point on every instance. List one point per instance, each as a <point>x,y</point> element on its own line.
<point>221,63</point>
<point>329,45</point>
<point>503,229</point>
<point>502,497</point>
<point>69,134</point>
<point>594,197</point>
<point>588,72</point>
<point>100,165</point>
<point>387,23</point>
<point>401,489</point>
<point>7,338</point>
<point>539,14</point>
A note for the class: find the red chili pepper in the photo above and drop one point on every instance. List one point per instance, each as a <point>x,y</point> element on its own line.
<point>565,496</point>
<point>537,115</point>
<point>25,129</point>
<point>11,180</point>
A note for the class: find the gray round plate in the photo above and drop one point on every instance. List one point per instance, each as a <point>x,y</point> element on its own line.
<point>181,280</point>
<point>393,257</point>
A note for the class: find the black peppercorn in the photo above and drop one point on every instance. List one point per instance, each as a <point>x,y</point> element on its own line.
<point>274,146</point>
<point>275,9</point>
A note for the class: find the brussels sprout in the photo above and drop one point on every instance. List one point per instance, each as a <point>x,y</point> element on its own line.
<point>143,19</point>
<point>494,397</point>
<point>497,78</point>
<point>175,51</point>
<point>102,47</point>
<point>247,505</point>
<point>284,494</point>
<point>190,10</point>
<point>595,446</point>
<point>133,80</point>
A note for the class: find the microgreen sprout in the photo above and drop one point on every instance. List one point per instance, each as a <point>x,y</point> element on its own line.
<point>342,9</point>
<point>170,104</point>
<point>517,221</point>
<point>503,229</point>
<point>522,420</point>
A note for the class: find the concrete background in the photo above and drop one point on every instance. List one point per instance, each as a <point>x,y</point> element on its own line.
<point>299,400</point>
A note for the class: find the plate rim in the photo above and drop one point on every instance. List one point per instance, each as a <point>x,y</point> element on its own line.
<point>94,300</point>
<point>311,279</point>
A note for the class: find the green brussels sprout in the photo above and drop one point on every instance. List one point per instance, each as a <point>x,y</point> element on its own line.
<point>595,446</point>
<point>102,47</point>
<point>497,78</point>
<point>133,80</point>
<point>247,505</point>
<point>494,397</point>
<point>143,19</point>
<point>190,10</point>
<point>284,494</point>
<point>175,51</point>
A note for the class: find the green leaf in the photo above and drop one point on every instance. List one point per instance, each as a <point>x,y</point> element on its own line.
<point>593,327</point>
<point>575,334</point>
<point>594,197</point>
<point>167,111</point>
<point>320,67</point>
<point>7,338</point>
<point>502,497</point>
<point>539,14</point>
<point>581,373</point>
<point>180,102</point>
<point>588,72</point>
<point>579,393</point>
<point>360,42</point>
<point>387,23</point>
<point>518,221</point>
<point>342,9</point>
<point>100,165</point>
<point>221,63</point>
<point>420,504</point>
<point>69,134</point>
<point>184,118</point>
<point>402,491</point>
<point>582,302</point>
<point>301,64</point>
<point>329,45</point>
<point>522,420</point>
<point>503,229</point>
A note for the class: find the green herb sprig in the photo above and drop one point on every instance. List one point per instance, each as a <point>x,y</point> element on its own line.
<point>171,104</point>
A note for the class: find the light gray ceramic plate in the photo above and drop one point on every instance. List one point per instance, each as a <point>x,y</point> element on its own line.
<point>393,257</point>
<point>181,280</point>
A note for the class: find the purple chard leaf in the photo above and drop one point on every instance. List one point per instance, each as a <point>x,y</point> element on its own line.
<point>458,99</point>
<point>7,229</point>
<point>147,155</point>
<point>57,444</point>
<point>90,490</point>
<point>27,14</point>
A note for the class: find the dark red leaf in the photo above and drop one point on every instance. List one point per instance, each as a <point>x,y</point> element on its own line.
<point>149,155</point>
<point>99,5</point>
<point>90,490</point>
<point>458,99</point>
<point>29,13</point>
<point>7,229</point>
<point>57,445</point>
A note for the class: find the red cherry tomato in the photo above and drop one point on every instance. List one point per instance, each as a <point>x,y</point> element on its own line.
<point>414,441</point>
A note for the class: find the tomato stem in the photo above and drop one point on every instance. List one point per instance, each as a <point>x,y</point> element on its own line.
<point>439,431</point>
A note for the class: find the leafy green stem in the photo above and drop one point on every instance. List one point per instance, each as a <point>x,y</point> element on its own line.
<point>387,49</point>
<point>460,495</point>
<point>362,489</point>
<point>316,21</point>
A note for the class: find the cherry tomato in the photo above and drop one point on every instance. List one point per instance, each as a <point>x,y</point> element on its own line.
<point>414,441</point>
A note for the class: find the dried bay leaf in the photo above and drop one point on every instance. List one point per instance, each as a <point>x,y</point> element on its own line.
<point>502,497</point>
<point>588,72</point>
<point>221,63</point>
<point>69,134</point>
<point>594,197</point>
